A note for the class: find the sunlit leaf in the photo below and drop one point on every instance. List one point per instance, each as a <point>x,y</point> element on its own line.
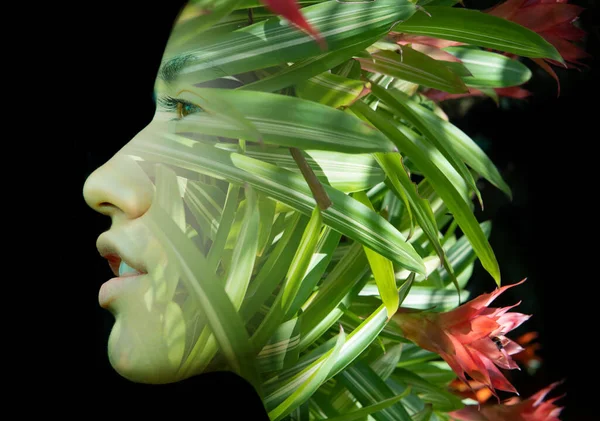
<point>415,67</point>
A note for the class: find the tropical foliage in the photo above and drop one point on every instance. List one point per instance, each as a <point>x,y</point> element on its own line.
<point>324,190</point>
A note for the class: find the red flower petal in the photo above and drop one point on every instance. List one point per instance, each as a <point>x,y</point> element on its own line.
<point>433,52</point>
<point>567,30</point>
<point>289,9</point>
<point>513,92</point>
<point>424,40</point>
<point>543,17</point>
<point>512,347</point>
<point>510,321</point>
<point>568,51</point>
<point>469,309</point>
<point>500,357</point>
<point>505,10</point>
<point>498,380</point>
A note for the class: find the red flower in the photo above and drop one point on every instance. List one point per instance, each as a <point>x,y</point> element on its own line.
<point>509,92</point>
<point>470,338</point>
<point>474,390</point>
<point>552,19</point>
<point>289,9</point>
<point>531,409</point>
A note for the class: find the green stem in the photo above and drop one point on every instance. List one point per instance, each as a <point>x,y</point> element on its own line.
<point>319,193</point>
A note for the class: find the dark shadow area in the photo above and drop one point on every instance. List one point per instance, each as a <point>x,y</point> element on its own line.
<point>543,147</point>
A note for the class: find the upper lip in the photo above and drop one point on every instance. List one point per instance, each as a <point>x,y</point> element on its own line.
<point>111,252</point>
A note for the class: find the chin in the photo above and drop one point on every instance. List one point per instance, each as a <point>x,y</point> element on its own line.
<point>137,350</point>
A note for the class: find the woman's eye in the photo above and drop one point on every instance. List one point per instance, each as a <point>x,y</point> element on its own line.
<point>184,109</point>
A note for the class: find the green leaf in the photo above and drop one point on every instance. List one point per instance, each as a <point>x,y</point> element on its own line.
<point>382,268</point>
<point>441,399</point>
<point>466,148</point>
<point>342,278</point>
<point>244,252</point>
<point>309,67</point>
<point>266,208</point>
<point>489,70</point>
<point>478,28</point>
<point>370,389</point>
<point>318,374</point>
<point>281,350</point>
<point>416,67</point>
<point>427,297</point>
<point>208,13</point>
<point>276,266</point>
<point>208,292</point>
<point>328,242</point>
<point>275,40</point>
<point>225,223</point>
<point>346,215</point>
<point>437,372</point>
<point>297,269</point>
<point>356,342</point>
<point>342,171</point>
<point>359,414</point>
<point>397,104</point>
<point>423,415</point>
<point>384,365</point>
<point>205,202</point>
<point>332,90</point>
<point>456,204</point>
<point>314,126</point>
<point>401,184</point>
<point>412,354</point>
<point>168,197</point>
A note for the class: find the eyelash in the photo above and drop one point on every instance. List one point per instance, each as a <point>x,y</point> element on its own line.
<point>181,107</point>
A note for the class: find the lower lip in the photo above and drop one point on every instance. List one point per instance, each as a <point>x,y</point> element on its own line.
<point>111,289</point>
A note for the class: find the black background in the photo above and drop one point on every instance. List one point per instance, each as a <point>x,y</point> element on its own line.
<point>544,146</point>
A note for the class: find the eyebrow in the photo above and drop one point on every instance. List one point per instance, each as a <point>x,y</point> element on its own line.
<point>169,71</point>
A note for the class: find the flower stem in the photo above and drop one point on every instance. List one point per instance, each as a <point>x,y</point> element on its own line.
<point>319,193</point>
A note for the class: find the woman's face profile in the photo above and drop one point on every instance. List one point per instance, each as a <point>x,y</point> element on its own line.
<point>159,334</point>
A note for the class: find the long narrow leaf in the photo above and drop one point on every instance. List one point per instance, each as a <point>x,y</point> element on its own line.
<point>459,208</point>
<point>244,253</point>
<point>275,41</point>
<point>292,283</point>
<point>468,150</point>
<point>415,67</point>
<point>229,331</point>
<point>446,148</point>
<point>490,70</point>
<point>478,28</point>
<point>382,268</point>
<point>346,215</point>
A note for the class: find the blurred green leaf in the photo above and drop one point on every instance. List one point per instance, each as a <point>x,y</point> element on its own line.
<point>489,70</point>
<point>441,399</point>
<point>477,28</point>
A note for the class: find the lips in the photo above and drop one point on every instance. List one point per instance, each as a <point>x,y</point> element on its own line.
<point>120,267</point>
<point>124,269</point>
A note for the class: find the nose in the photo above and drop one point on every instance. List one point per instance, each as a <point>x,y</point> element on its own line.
<point>120,187</point>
